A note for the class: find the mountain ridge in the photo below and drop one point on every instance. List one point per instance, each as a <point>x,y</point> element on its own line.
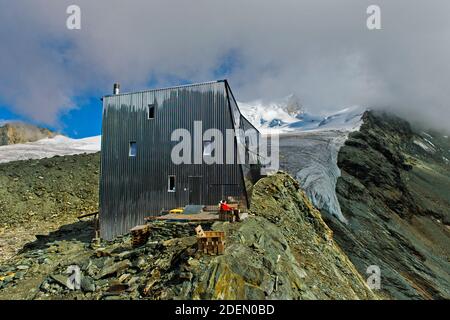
<point>19,132</point>
<point>396,196</point>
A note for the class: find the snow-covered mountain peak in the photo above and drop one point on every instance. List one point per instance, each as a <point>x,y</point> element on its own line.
<point>293,106</point>
<point>288,114</point>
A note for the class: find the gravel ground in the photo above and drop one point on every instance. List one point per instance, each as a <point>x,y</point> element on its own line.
<point>38,196</point>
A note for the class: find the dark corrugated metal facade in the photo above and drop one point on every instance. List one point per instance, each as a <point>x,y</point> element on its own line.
<point>133,187</point>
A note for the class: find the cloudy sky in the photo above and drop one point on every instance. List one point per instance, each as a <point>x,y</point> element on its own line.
<point>321,50</point>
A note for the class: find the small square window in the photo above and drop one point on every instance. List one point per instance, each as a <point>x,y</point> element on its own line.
<point>133,149</point>
<point>151,111</point>
<point>171,186</point>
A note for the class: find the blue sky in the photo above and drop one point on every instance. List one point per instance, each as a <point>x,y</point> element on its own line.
<point>85,121</point>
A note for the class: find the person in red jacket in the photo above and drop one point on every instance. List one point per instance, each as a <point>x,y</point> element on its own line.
<point>224,206</point>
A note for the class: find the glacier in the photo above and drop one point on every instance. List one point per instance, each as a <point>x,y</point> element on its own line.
<point>309,146</point>
<point>311,157</point>
<point>49,147</point>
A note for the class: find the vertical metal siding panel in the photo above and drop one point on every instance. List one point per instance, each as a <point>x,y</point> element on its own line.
<point>102,185</point>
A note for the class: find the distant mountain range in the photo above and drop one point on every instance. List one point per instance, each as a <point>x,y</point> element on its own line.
<point>288,115</point>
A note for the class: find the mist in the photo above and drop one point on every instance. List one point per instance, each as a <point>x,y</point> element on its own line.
<point>322,51</point>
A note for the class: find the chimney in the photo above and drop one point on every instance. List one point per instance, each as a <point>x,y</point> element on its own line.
<point>116,89</point>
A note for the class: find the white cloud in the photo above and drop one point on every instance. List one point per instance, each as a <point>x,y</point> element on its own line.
<point>320,50</point>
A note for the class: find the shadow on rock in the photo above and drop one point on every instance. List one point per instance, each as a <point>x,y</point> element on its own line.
<point>82,231</point>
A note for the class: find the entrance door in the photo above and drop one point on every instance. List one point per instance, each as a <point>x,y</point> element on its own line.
<point>195,190</point>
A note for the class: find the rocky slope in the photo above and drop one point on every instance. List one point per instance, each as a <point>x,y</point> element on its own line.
<point>17,132</point>
<point>39,195</point>
<point>283,250</point>
<point>395,193</point>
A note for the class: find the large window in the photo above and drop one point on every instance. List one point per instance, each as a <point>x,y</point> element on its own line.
<point>133,149</point>
<point>171,184</point>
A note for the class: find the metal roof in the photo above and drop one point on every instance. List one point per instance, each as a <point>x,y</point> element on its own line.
<point>167,88</point>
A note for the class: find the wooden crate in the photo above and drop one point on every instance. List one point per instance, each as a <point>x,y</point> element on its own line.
<point>140,235</point>
<point>210,242</point>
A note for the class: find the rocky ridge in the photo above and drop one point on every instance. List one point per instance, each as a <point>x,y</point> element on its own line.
<point>18,132</point>
<point>395,192</point>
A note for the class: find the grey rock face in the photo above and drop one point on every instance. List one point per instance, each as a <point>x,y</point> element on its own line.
<point>87,284</point>
<point>396,196</point>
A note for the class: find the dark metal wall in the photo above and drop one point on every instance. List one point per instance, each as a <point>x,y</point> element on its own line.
<point>132,188</point>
